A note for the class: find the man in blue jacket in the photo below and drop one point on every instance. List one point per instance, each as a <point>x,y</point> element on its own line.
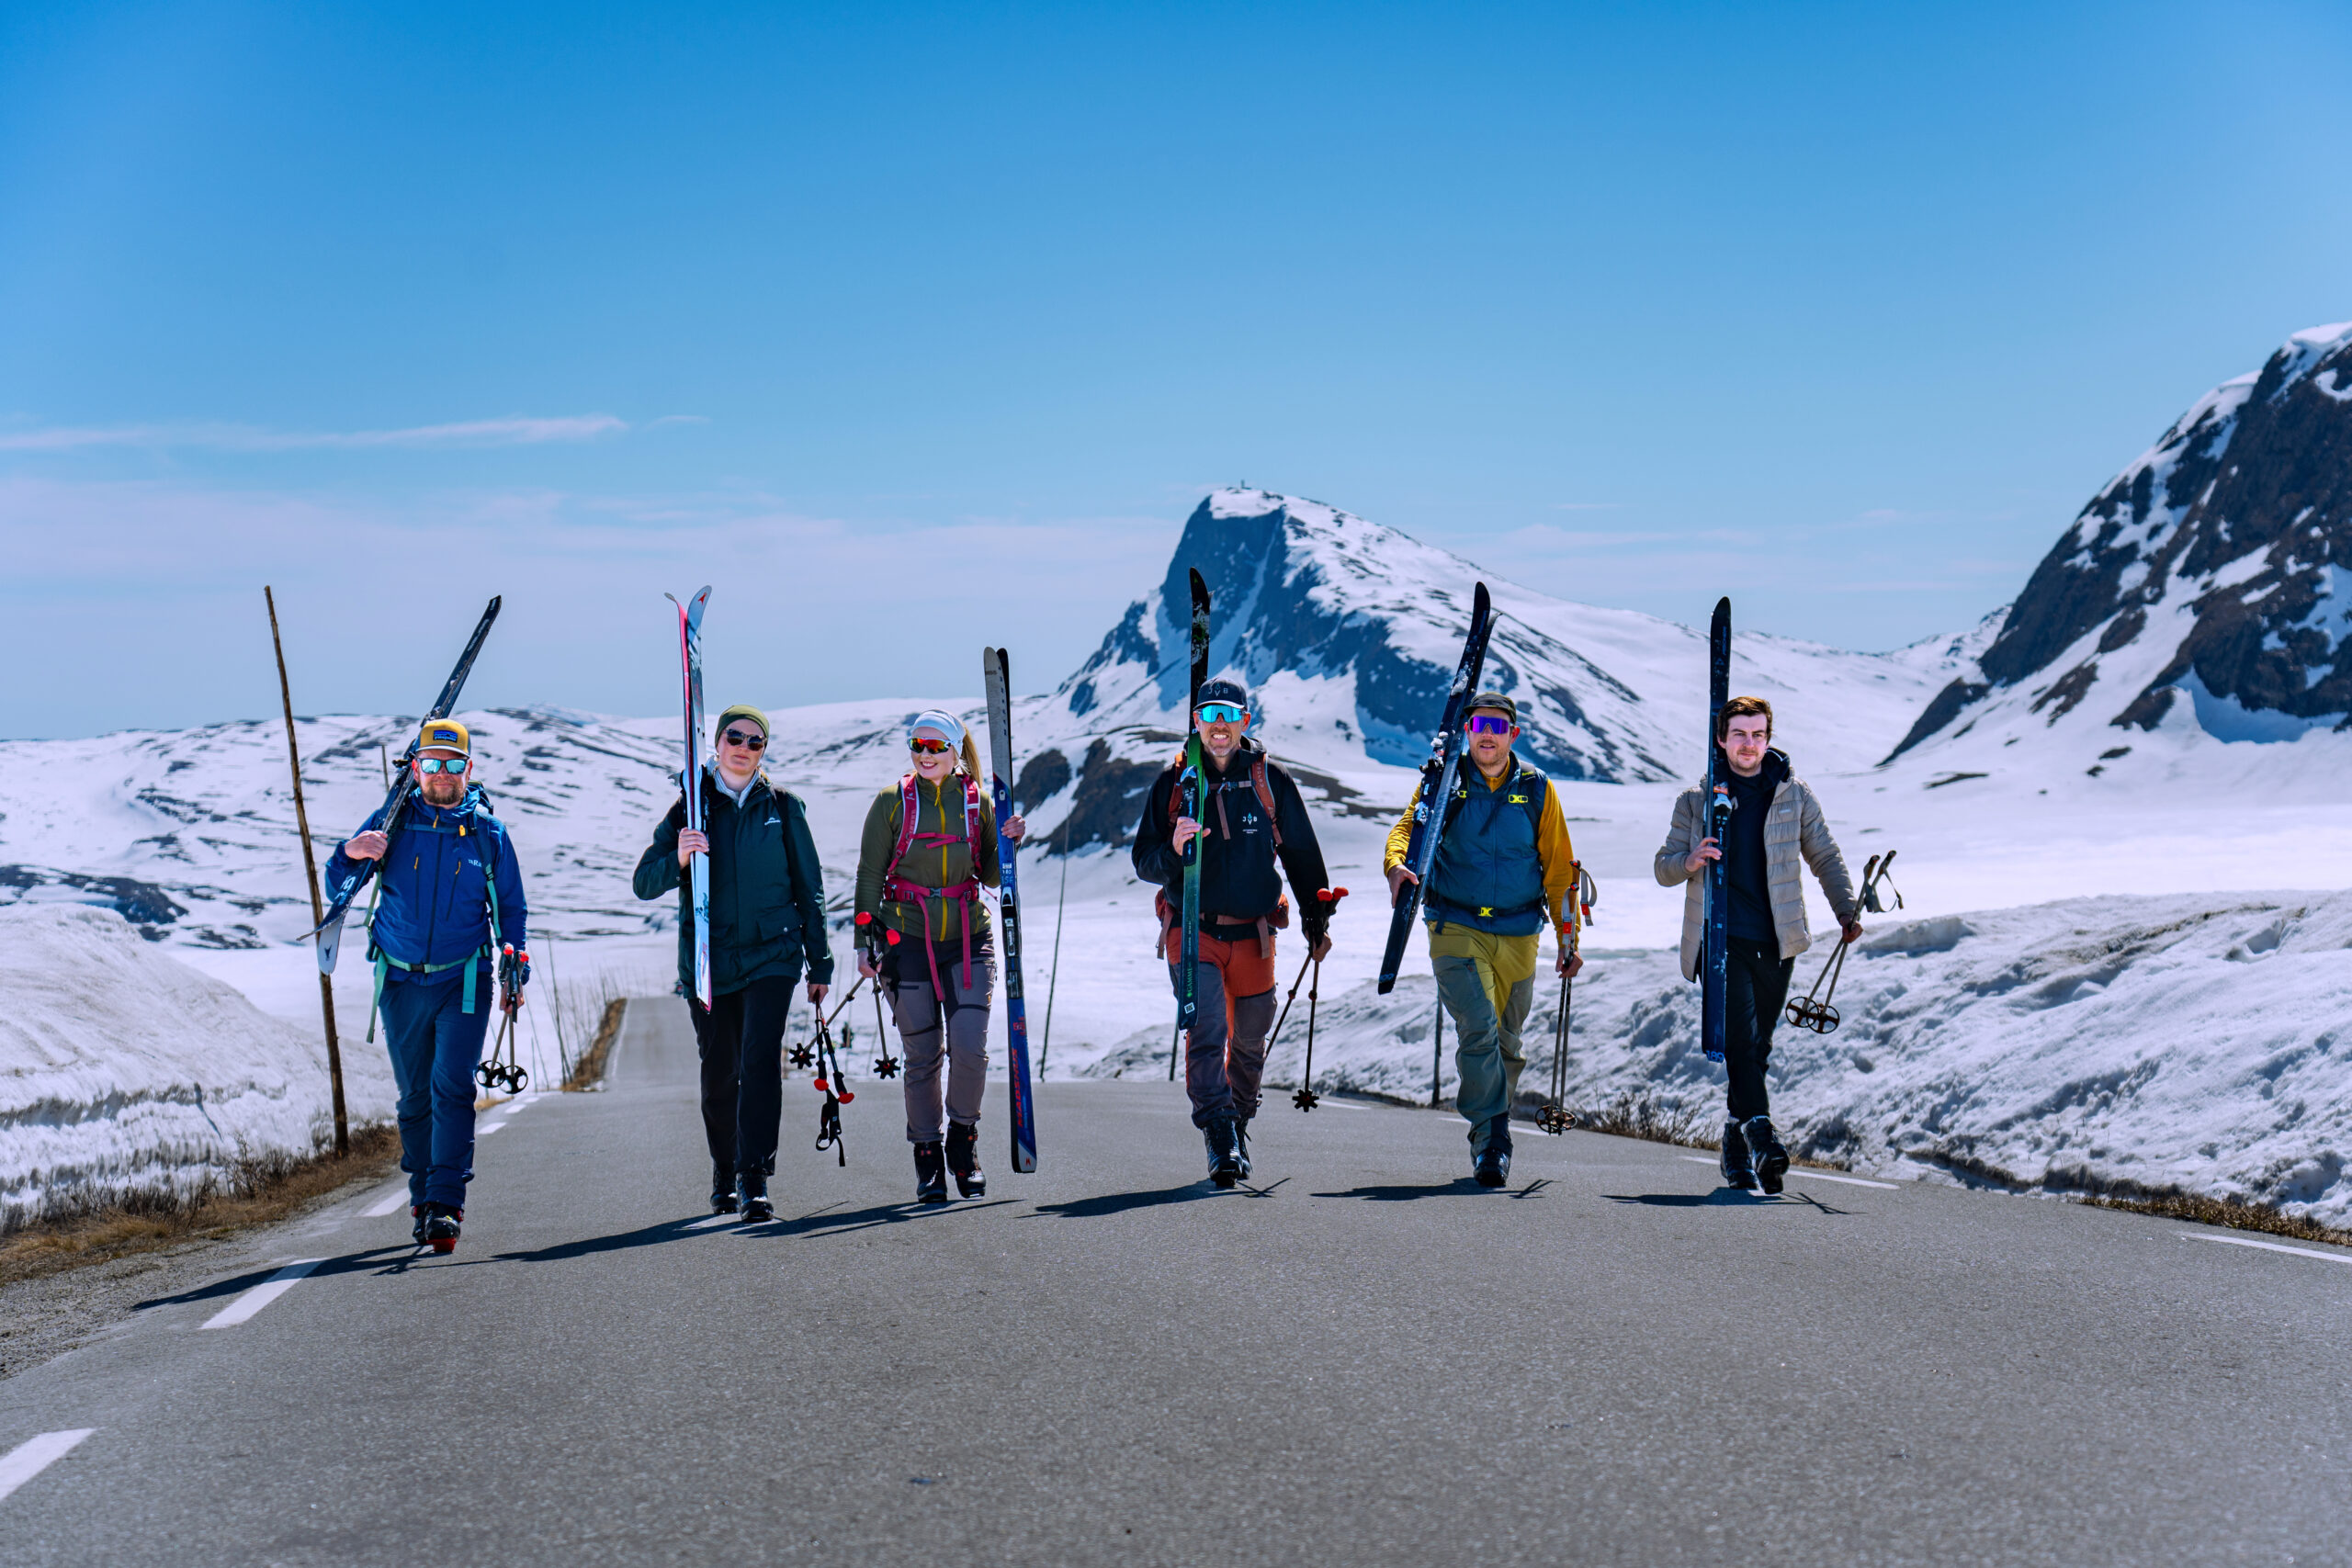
<point>451,897</point>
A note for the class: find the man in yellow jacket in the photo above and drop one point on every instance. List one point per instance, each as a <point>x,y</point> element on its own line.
<point>1504,869</point>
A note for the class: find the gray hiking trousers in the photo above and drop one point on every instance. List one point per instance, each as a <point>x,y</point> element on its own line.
<point>931,1027</point>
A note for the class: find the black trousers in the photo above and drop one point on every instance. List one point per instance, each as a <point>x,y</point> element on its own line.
<point>741,1041</point>
<point>1756,988</point>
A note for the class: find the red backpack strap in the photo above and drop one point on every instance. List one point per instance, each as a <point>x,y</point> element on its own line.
<point>972,819</point>
<point>909,816</point>
<point>1266,797</point>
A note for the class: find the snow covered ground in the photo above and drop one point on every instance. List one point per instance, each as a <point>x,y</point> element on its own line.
<point>123,1069</point>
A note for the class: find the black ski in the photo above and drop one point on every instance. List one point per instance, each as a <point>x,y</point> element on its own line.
<point>1193,781</point>
<point>996,678</point>
<point>330,930</point>
<point>1714,948</point>
<point>1437,788</point>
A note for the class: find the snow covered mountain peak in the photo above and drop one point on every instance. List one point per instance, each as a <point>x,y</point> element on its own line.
<point>2212,568</point>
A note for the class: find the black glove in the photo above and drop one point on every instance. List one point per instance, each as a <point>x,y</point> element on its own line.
<point>1312,928</point>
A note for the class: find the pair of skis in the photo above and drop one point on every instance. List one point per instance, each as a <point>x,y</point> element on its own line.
<point>1434,794</point>
<point>329,930</point>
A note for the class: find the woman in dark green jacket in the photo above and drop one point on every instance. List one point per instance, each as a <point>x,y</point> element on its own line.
<point>929,847</point>
<point>767,920</point>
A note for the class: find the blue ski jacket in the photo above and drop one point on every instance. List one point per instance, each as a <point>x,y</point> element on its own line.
<point>434,909</point>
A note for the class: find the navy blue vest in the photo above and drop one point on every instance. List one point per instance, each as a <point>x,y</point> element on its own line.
<point>1487,874</point>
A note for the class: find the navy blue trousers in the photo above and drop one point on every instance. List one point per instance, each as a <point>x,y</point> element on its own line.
<point>435,1049</point>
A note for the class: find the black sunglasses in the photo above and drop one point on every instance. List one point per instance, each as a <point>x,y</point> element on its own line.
<point>749,742</point>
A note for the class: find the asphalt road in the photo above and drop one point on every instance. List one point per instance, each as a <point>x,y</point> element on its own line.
<point>1368,1360</point>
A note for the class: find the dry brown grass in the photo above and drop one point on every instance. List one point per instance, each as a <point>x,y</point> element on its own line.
<point>259,1190</point>
<point>2222,1212</point>
<point>589,1070</point>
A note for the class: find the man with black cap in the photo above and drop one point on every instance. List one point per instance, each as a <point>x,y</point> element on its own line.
<point>450,896</point>
<point>1505,867</point>
<point>767,920</point>
<point>1255,817</point>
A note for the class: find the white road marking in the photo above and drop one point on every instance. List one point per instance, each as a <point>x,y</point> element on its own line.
<point>2273,1246</point>
<point>261,1295</point>
<point>1809,1175</point>
<point>486,1132</point>
<point>716,1220</point>
<point>34,1455</point>
<point>388,1203</point>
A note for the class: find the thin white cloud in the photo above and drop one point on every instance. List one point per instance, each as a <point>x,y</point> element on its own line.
<point>513,431</point>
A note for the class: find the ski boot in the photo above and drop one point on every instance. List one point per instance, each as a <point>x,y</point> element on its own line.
<point>752,1195</point>
<point>722,1191</point>
<point>1738,1169</point>
<point>416,1212</point>
<point>1764,1146</point>
<point>441,1227</point>
<point>964,1159</point>
<point>1224,1149</point>
<point>1241,1144</point>
<point>931,1174</point>
<point>1491,1166</point>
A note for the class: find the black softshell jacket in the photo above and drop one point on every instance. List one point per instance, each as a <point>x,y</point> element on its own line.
<point>1240,881</point>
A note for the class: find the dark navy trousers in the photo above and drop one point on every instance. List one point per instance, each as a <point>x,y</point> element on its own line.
<point>435,1049</point>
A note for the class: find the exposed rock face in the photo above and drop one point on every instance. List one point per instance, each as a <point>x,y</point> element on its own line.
<point>2229,541</point>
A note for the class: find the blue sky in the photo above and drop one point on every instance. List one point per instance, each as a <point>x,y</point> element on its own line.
<point>913,328</point>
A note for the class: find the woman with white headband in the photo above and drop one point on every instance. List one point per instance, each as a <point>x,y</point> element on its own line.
<point>929,847</point>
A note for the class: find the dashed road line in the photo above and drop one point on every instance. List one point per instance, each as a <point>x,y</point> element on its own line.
<point>261,1295</point>
<point>34,1455</point>
<point>387,1204</point>
<point>2273,1246</point>
<point>1809,1175</point>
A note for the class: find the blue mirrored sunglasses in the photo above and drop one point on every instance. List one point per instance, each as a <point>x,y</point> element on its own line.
<point>1487,724</point>
<point>1221,713</point>
<point>441,765</point>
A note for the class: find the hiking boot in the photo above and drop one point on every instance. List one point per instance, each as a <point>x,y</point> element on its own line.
<point>751,1194</point>
<point>1738,1170</point>
<point>1764,1147</point>
<point>1492,1165</point>
<point>722,1190</point>
<point>964,1159</point>
<point>1241,1142</point>
<point>441,1226</point>
<point>931,1174</point>
<point>1225,1153</point>
<point>416,1212</point>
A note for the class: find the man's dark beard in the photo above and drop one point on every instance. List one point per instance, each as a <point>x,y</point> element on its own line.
<point>444,789</point>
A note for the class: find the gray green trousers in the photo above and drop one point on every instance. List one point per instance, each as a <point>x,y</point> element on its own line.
<point>932,1027</point>
<point>1488,984</point>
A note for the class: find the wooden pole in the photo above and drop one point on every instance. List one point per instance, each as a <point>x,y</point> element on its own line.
<point>311,876</point>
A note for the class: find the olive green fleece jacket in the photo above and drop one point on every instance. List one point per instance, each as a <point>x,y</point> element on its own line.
<point>928,865</point>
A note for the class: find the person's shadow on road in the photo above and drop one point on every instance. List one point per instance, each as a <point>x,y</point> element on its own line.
<point>1461,1187</point>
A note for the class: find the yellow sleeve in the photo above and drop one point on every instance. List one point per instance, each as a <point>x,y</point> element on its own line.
<point>1401,835</point>
<point>1558,856</point>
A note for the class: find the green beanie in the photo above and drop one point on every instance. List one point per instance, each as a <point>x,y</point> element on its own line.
<point>740,710</point>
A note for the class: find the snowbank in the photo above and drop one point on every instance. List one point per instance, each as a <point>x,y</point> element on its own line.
<point>2192,1042</point>
<point>123,1071</point>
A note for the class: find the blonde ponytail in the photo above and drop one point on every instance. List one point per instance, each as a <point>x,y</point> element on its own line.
<point>972,760</point>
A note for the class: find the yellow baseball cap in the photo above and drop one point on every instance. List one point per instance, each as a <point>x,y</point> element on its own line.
<point>445,735</point>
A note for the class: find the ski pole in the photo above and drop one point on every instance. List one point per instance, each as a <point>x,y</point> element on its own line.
<point>1819,1016</point>
<point>835,1086</point>
<point>1556,1118</point>
<point>1304,1099</point>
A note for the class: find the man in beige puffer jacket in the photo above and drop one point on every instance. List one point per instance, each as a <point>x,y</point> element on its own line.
<point>1775,820</point>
